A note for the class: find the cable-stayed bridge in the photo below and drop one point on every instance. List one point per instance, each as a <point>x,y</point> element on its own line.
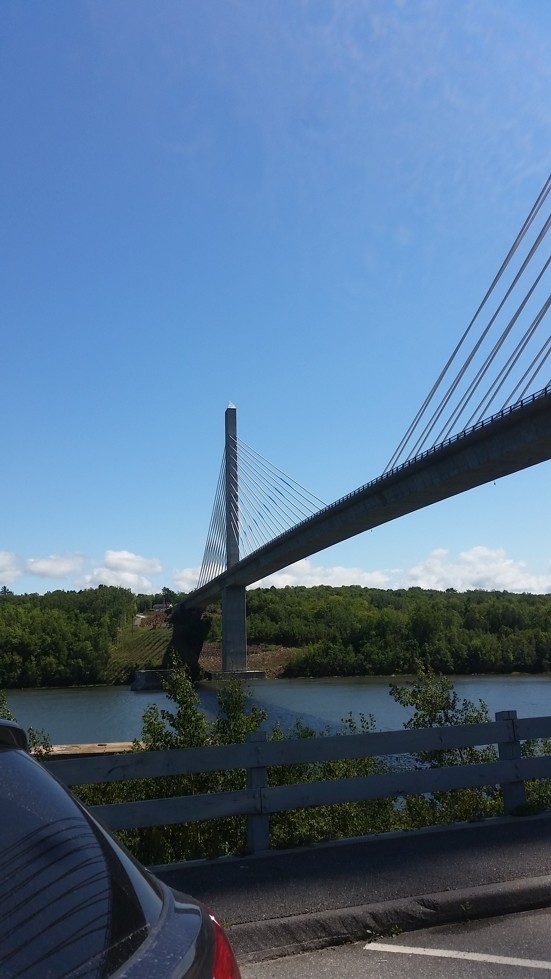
<point>488,415</point>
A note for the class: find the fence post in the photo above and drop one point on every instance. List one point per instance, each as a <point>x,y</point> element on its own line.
<point>258,826</point>
<point>514,794</point>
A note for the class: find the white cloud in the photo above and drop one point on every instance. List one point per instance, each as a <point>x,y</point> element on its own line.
<point>123,569</point>
<point>126,561</point>
<point>186,579</point>
<point>9,567</point>
<point>480,567</point>
<point>306,573</point>
<point>54,566</point>
<point>137,583</point>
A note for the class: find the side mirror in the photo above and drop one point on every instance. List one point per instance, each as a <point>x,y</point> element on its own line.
<point>12,736</point>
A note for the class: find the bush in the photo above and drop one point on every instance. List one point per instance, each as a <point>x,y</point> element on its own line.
<point>185,727</point>
<point>436,704</point>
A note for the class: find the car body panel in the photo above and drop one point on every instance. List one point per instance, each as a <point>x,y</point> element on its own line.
<point>75,903</point>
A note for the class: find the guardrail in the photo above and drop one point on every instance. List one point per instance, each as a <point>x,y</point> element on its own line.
<point>260,799</point>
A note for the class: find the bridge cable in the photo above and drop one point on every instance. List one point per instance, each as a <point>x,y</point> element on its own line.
<point>421,441</point>
<point>543,355</point>
<point>253,508</point>
<point>312,501</point>
<point>482,409</point>
<point>214,558</point>
<point>269,502</point>
<point>269,497</point>
<point>286,509</point>
<point>520,236</point>
<point>446,431</point>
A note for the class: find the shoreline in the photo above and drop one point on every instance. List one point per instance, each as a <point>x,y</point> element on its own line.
<point>273,675</point>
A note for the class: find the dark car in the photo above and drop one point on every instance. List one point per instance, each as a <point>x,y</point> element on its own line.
<point>74,902</point>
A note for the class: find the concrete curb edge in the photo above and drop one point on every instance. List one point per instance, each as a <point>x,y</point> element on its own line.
<point>277,937</point>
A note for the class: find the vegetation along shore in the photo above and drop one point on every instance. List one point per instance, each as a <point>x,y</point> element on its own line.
<point>102,635</point>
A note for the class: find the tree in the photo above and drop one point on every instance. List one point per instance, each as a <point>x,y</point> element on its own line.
<point>436,704</point>
<point>5,711</point>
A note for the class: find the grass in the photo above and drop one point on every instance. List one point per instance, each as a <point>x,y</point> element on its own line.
<point>143,647</point>
<point>138,648</point>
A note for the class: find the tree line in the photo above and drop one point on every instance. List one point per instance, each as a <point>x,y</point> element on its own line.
<point>62,638</point>
<point>353,631</point>
<point>70,637</point>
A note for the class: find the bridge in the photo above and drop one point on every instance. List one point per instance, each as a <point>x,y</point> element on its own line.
<point>253,498</point>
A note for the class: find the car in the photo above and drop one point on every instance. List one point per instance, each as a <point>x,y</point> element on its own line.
<point>75,902</point>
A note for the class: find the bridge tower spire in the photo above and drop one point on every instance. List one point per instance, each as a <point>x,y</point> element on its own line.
<point>234,612</point>
<point>232,487</point>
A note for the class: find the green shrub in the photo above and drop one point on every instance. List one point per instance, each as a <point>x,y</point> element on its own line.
<point>435,703</point>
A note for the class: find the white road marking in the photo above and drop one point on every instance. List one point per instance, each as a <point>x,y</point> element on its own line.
<point>445,953</point>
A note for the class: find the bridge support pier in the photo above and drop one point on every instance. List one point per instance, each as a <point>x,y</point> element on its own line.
<point>234,629</point>
<point>234,610</point>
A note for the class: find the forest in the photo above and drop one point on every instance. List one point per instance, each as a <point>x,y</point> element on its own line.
<point>62,638</point>
<point>353,631</point>
<point>67,638</point>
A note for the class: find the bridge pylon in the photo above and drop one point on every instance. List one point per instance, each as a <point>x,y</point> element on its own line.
<point>234,608</point>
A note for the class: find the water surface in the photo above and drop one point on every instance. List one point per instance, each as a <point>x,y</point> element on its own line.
<point>103,714</point>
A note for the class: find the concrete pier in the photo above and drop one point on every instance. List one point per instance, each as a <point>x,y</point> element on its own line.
<point>234,629</point>
<point>234,611</point>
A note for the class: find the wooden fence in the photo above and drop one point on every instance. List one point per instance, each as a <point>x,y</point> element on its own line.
<point>260,799</point>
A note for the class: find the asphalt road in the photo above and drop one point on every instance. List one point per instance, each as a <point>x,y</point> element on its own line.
<point>515,946</point>
<point>295,900</point>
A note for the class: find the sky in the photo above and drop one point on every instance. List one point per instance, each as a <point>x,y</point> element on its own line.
<point>293,206</point>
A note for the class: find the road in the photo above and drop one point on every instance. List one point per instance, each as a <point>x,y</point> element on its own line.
<point>516,946</point>
<point>287,901</point>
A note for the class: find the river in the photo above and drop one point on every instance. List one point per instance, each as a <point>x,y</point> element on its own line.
<point>103,714</point>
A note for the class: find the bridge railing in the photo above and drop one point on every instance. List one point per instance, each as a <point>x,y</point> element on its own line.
<point>260,799</point>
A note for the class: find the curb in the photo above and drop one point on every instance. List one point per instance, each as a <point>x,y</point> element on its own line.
<point>277,937</point>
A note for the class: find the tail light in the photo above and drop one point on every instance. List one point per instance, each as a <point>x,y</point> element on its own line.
<point>224,965</point>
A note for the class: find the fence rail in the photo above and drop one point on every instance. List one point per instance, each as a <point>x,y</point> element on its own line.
<point>256,756</point>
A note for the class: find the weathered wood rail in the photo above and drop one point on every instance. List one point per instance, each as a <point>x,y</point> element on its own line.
<point>260,799</point>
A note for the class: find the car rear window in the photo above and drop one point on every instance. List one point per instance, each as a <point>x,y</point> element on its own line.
<point>71,902</point>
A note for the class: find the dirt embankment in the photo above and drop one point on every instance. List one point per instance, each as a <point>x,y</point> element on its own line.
<point>272,661</point>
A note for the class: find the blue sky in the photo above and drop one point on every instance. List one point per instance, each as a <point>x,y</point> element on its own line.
<point>295,206</point>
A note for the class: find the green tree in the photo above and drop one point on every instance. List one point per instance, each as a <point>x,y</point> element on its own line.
<point>436,704</point>
<point>5,710</point>
<point>184,725</point>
